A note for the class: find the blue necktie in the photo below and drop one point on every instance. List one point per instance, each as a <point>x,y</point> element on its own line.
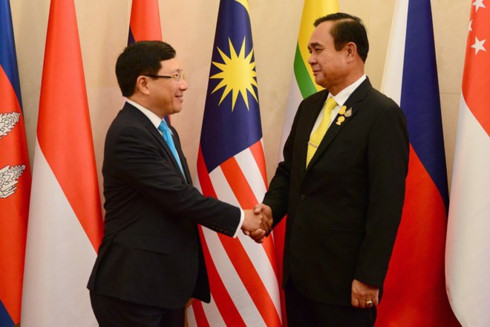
<point>167,136</point>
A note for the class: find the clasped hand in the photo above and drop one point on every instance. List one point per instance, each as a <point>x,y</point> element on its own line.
<point>257,222</point>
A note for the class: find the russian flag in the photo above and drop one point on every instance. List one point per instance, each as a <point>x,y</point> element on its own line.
<point>15,176</point>
<point>65,223</point>
<point>415,286</point>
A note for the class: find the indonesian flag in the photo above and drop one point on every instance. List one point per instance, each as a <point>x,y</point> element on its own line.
<point>414,293</point>
<point>15,176</point>
<point>231,167</point>
<point>468,241</point>
<point>65,225</point>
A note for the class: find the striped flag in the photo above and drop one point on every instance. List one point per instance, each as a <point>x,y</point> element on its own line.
<point>231,167</point>
<point>302,86</point>
<point>414,293</point>
<point>15,176</point>
<point>468,243</point>
<point>65,224</point>
<point>144,23</point>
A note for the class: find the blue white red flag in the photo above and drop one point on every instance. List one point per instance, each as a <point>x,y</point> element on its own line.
<point>15,176</point>
<point>231,167</point>
<point>414,287</point>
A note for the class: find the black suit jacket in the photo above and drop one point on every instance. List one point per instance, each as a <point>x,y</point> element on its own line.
<point>151,252</point>
<point>345,208</point>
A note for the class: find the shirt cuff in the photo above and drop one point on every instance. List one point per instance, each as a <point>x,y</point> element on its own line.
<point>239,227</point>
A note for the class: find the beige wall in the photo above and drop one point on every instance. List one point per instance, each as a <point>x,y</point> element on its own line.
<point>189,25</point>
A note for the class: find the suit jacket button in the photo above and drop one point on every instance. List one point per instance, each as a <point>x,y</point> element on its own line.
<point>303,197</point>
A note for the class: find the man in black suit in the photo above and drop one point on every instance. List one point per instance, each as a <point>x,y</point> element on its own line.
<point>150,262</point>
<point>342,191</point>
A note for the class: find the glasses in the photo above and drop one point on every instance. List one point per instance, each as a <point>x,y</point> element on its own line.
<point>176,77</point>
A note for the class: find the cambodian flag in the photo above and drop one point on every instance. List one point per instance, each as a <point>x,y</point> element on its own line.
<point>231,167</point>
<point>414,287</point>
<point>15,176</point>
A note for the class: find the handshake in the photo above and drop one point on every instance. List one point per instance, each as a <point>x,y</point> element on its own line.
<point>257,222</point>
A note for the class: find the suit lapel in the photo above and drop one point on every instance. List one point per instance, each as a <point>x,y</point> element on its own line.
<point>151,128</point>
<point>353,104</point>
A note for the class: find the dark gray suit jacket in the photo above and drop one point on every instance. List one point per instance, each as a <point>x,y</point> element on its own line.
<point>345,208</point>
<point>151,252</point>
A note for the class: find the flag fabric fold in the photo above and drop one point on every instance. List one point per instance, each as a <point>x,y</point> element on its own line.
<point>65,223</point>
<point>414,287</point>
<point>15,176</point>
<point>468,244</point>
<point>231,167</point>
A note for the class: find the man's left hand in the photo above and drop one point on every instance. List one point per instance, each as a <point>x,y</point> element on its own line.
<point>364,295</point>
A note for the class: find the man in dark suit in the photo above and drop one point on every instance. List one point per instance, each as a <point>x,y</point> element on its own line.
<point>150,262</point>
<point>342,190</point>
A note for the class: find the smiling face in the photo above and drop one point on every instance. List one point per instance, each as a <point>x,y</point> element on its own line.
<point>166,95</point>
<point>329,66</point>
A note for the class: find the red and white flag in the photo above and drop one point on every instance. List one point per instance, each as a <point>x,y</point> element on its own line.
<point>65,224</point>
<point>468,240</point>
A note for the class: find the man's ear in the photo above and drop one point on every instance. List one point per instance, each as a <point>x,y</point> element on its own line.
<point>142,85</point>
<point>350,50</point>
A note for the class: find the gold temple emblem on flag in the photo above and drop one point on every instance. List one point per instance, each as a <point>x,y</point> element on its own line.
<point>9,177</point>
<point>8,122</point>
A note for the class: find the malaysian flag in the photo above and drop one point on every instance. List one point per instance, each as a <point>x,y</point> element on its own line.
<point>231,167</point>
<point>15,176</point>
<point>416,268</point>
<point>468,242</point>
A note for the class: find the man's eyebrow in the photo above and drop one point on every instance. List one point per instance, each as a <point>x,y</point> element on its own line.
<point>314,44</point>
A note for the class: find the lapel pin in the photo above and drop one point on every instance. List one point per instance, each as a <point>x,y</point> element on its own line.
<point>348,113</point>
<point>340,120</point>
<point>342,110</point>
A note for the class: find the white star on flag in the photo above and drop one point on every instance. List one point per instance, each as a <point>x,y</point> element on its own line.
<point>469,26</point>
<point>478,4</point>
<point>478,45</point>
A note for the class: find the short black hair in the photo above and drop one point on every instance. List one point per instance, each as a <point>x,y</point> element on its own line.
<point>138,59</point>
<point>347,28</point>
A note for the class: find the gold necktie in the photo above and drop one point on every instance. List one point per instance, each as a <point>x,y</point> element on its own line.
<point>318,134</point>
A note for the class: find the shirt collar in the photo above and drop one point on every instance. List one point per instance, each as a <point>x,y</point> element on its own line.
<point>155,120</point>
<point>343,95</point>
